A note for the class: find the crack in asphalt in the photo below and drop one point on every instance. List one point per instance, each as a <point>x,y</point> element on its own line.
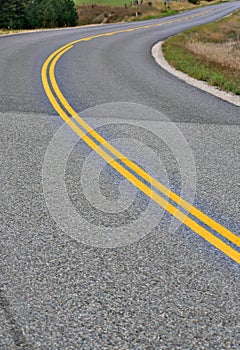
<point>15,329</point>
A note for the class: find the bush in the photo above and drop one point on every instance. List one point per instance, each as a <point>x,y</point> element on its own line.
<point>195,2</point>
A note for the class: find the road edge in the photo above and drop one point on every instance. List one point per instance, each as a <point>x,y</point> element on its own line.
<point>158,55</point>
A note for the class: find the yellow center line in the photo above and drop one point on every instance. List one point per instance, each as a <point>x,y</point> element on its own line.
<point>229,251</point>
<point>159,186</point>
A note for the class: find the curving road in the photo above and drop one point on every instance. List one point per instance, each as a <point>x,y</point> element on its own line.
<point>89,261</point>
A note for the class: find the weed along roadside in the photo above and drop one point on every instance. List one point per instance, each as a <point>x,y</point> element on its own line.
<point>209,52</point>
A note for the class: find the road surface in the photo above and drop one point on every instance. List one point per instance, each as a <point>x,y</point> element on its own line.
<point>89,260</point>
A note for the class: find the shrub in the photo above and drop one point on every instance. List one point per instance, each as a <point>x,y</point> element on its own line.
<point>195,2</point>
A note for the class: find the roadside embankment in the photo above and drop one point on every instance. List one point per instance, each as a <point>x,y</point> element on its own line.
<point>112,11</point>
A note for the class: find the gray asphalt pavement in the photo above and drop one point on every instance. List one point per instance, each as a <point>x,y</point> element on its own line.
<point>88,261</point>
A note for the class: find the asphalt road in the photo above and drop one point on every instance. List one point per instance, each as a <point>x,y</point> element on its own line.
<point>87,260</point>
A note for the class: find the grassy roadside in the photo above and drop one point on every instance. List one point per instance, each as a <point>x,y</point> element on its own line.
<point>16,31</point>
<point>6,31</point>
<point>209,52</point>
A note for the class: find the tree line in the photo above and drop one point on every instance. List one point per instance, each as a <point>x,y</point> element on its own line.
<point>30,14</point>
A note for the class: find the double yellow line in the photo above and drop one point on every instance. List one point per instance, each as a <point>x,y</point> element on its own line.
<point>105,150</point>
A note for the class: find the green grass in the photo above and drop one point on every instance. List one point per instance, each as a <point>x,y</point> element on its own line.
<point>189,64</point>
<point>208,65</point>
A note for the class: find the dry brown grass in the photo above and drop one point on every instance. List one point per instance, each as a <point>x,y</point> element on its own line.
<point>182,5</point>
<point>218,43</point>
<point>210,52</point>
<point>226,54</point>
<point>8,31</point>
<point>103,14</point>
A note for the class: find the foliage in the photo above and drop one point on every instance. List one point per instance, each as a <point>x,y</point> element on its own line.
<point>26,14</point>
<point>195,2</point>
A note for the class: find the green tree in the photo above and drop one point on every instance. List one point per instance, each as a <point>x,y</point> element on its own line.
<point>18,14</point>
<point>67,15</point>
<point>8,13</point>
<point>57,13</point>
<point>13,13</point>
<point>47,13</point>
<point>32,19</point>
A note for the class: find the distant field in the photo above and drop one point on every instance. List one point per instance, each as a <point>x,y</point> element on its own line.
<point>177,4</point>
